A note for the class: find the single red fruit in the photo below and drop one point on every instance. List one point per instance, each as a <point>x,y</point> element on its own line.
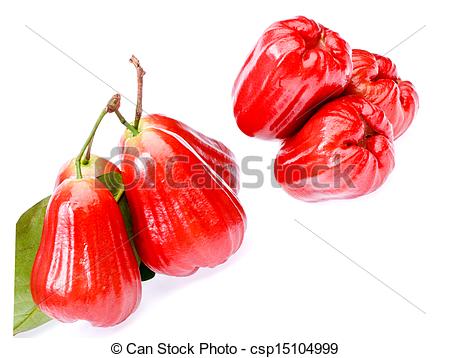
<point>344,151</point>
<point>375,78</point>
<point>214,153</point>
<point>296,65</point>
<point>185,215</point>
<point>85,268</point>
<point>95,167</point>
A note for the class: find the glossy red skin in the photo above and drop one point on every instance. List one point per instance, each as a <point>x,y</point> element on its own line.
<point>215,153</point>
<point>85,268</point>
<point>296,65</point>
<point>375,78</point>
<point>94,168</point>
<point>348,133</point>
<point>178,229</point>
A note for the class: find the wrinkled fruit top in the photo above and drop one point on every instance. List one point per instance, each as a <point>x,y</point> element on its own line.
<point>345,150</point>
<point>375,78</point>
<point>296,65</point>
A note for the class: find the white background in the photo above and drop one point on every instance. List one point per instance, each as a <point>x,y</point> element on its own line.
<point>284,284</point>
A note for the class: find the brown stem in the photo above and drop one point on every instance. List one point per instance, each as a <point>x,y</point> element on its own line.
<point>113,104</point>
<point>140,75</point>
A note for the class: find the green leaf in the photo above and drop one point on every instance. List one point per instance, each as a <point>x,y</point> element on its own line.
<point>113,181</point>
<point>28,236</point>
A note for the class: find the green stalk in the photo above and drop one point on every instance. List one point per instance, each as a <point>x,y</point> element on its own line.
<point>86,144</point>
<point>113,105</point>
<point>87,155</point>
<point>126,124</point>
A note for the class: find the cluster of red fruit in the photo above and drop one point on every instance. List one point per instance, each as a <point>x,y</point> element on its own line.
<point>331,106</point>
<point>333,109</point>
<point>85,267</point>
